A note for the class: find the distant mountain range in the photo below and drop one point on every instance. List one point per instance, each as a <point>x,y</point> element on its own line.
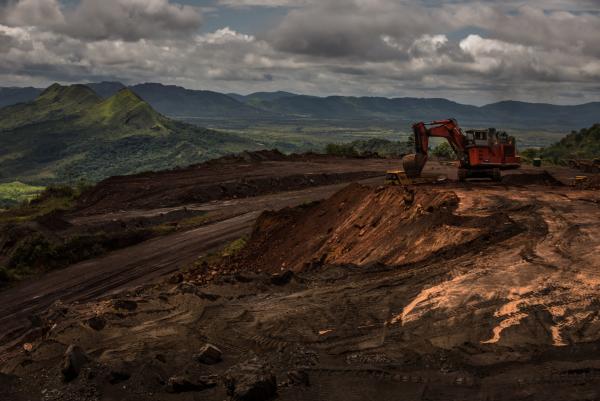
<point>178,102</point>
<point>10,96</point>
<point>69,133</point>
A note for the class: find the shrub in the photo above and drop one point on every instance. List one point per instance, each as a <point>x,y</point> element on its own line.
<point>444,151</point>
<point>342,150</point>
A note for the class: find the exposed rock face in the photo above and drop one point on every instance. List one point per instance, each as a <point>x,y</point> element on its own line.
<point>361,226</point>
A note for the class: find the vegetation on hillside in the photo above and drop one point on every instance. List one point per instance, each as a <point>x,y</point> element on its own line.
<point>369,147</point>
<point>15,193</point>
<point>68,133</point>
<point>35,238</point>
<point>584,144</point>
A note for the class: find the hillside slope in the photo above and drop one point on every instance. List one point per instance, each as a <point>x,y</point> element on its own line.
<point>69,133</point>
<point>205,105</point>
<point>584,144</point>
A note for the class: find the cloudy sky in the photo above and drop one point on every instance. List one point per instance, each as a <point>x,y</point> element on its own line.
<point>470,51</point>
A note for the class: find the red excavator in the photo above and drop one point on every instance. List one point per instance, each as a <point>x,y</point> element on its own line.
<point>482,153</point>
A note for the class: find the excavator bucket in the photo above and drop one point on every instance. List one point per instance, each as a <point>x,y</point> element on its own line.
<point>413,164</point>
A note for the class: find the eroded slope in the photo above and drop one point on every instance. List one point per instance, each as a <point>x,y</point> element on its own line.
<point>503,309</point>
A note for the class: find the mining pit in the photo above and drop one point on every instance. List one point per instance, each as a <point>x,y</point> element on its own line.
<point>478,291</point>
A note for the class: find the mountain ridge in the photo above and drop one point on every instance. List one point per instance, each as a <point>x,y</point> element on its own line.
<point>70,133</point>
<point>176,101</point>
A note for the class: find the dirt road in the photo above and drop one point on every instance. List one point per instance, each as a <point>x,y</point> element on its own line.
<point>502,306</point>
<point>144,262</point>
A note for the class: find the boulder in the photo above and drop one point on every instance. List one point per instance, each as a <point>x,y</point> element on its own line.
<point>97,323</point>
<point>298,377</point>
<point>209,355</point>
<point>176,278</point>
<point>282,278</point>
<point>75,358</point>
<point>251,381</point>
<point>116,376</point>
<point>125,304</point>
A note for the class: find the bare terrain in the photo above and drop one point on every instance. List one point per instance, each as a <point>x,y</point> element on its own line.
<point>477,290</point>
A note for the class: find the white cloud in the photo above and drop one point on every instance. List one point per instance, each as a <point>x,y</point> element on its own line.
<point>262,3</point>
<point>45,13</point>
<point>467,50</point>
<point>224,35</point>
<point>107,19</point>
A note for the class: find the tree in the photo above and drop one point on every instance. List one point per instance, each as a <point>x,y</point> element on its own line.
<point>411,143</point>
<point>444,151</point>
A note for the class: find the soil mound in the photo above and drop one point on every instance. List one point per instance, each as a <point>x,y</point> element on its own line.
<point>250,157</point>
<point>544,178</point>
<point>244,175</point>
<point>112,194</point>
<point>593,182</point>
<point>360,225</point>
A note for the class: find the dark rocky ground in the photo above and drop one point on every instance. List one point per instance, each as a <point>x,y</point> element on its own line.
<point>505,310</point>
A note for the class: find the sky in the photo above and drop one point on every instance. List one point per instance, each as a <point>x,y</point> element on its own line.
<point>473,52</point>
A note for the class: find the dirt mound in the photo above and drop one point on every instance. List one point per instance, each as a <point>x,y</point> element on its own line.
<point>250,157</point>
<point>244,175</point>
<point>592,182</point>
<point>360,226</point>
<point>110,195</point>
<point>544,178</point>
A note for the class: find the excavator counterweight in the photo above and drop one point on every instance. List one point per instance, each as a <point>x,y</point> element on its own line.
<point>481,153</point>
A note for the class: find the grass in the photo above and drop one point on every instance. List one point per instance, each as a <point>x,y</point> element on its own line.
<point>314,135</point>
<point>15,193</point>
<point>51,199</point>
<point>234,247</point>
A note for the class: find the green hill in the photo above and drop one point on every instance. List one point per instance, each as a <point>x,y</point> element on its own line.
<point>69,133</point>
<point>54,104</point>
<point>584,144</point>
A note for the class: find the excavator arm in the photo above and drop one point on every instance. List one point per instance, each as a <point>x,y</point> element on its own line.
<point>449,129</point>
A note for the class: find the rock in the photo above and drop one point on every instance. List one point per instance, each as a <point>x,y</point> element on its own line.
<point>125,304</point>
<point>36,320</point>
<point>75,359</point>
<point>176,278</point>
<point>118,375</point>
<point>208,296</point>
<point>251,381</point>
<point>180,384</point>
<point>187,288</point>
<point>242,278</point>
<point>209,355</point>
<point>97,323</point>
<point>282,278</point>
<point>298,377</point>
